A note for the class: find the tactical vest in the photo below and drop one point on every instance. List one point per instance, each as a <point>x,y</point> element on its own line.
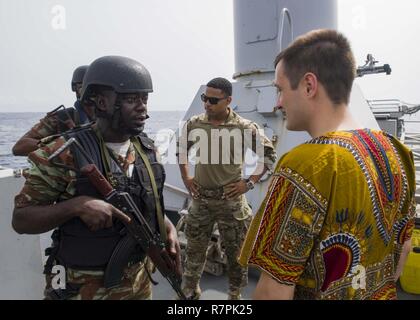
<point>82,249</point>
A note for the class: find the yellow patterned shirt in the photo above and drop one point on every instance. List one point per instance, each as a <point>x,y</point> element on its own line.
<point>335,217</point>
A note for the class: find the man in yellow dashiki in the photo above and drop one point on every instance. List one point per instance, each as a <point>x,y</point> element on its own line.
<point>337,220</point>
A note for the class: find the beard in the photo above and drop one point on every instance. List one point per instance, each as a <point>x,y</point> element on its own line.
<point>136,131</point>
<point>132,131</point>
<point>125,128</point>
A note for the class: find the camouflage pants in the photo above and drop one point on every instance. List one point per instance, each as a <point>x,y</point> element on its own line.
<point>135,284</point>
<point>233,218</point>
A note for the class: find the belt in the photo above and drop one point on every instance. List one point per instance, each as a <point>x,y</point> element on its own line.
<point>216,194</point>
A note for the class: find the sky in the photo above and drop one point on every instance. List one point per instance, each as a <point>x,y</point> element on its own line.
<point>183,43</point>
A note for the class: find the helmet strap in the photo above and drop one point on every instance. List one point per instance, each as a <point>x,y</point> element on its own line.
<point>116,116</point>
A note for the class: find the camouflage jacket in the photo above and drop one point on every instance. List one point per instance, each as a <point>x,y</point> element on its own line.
<point>47,183</point>
<point>57,122</point>
<point>220,150</point>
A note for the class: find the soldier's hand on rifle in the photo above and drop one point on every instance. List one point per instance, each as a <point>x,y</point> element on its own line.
<point>173,247</point>
<point>98,214</point>
<point>234,190</point>
<point>191,186</point>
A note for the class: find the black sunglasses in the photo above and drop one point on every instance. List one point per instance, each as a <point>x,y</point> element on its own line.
<point>212,100</point>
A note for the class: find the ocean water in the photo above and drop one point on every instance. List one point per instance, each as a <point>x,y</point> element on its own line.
<point>14,125</point>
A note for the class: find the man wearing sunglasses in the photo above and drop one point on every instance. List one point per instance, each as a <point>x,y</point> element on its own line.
<point>217,188</point>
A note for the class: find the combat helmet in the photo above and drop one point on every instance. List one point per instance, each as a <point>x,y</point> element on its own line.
<point>78,75</point>
<point>122,74</point>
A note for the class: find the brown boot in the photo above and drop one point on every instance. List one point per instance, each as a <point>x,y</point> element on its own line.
<point>234,294</point>
<point>191,289</point>
<point>192,293</point>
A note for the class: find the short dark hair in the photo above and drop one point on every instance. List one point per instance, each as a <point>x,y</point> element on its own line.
<point>327,54</point>
<point>222,84</point>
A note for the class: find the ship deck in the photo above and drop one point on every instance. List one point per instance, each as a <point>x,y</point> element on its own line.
<point>215,288</point>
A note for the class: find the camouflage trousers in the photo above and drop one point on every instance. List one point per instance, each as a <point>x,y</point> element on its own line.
<point>233,218</point>
<point>135,284</point>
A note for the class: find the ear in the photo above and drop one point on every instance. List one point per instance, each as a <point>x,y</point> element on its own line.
<point>310,84</point>
<point>229,99</point>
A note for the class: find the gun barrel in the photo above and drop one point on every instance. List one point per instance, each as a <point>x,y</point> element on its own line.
<point>373,70</point>
<point>61,149</point>
<point>177,289</point>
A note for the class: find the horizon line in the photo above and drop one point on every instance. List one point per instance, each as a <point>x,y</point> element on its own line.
<point>42,111</point>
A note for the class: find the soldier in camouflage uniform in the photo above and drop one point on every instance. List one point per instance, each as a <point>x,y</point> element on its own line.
<point>58,121</point>
<point>57,195</point>
<point>218,189</point>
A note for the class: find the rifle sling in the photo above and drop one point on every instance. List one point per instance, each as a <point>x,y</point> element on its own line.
<point>159,212</point>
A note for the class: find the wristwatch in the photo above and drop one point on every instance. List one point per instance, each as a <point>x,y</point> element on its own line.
<point>250,184</point>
